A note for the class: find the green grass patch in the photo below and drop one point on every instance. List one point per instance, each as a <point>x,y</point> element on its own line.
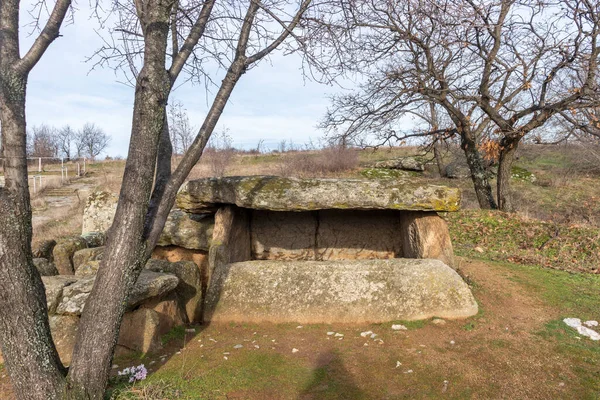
<point>177,333</point>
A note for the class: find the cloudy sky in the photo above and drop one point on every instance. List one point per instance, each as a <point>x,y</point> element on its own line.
<point>271,102</point>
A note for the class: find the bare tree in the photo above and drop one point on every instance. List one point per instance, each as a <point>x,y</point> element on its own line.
<point>152,35</point>
<point>43,142</point>
<point>65,136</point>
<point>92,141</point>
<point>29,353</point>
<point>182,132</point>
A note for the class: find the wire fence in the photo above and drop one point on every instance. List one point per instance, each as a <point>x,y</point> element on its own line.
<point>51,172</point>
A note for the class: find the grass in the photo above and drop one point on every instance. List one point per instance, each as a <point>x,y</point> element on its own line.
<point>508,237</point>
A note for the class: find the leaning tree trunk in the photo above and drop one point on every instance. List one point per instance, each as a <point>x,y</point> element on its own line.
<point>483,190</point>
<point>126,252</point>
<point>24,326</point>
<point>508,148</point>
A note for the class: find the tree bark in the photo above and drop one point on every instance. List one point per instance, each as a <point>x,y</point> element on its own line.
<point>483,190</point>
<point>126,252</point>
<point>508,148</point>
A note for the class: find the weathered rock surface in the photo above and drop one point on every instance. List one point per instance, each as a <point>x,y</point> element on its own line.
<point>99,212</point>
<point>457,171</point>
<point>189,289</point>
<point>140,331</point>
<point>88,268</point>
<point>174,254</point>
<point>54,286</point>
<point>94,239</point>
<point>326,235</point>
<point>83,256</point>
<point>45,267</point>
<point>64,333</point>
<point>170,312</point>
<point>63,254</point>
<point>406,164</point>
<point>149,284</point>
<point>426,235</point>
<point>334,291</point>
<point>43,249</point>
<point>191,231</point>
<point>293,194</point>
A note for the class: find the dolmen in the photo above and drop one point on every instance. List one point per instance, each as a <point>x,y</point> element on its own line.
<point>327,250</point>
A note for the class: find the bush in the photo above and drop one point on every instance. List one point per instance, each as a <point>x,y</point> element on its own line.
<point>332,159</point>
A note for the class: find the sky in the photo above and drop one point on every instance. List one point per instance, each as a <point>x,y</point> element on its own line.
<point>272,102</point>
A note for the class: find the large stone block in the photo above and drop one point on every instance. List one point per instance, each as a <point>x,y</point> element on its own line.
<point>99,212</point>
<point>425,235</point>
<point>366,291</point>
<point>358,235</point>
<point>83,256</point>
<point>189,290</point>
<point>64,333</point>
<point>140,331</point>
<point>283,235</point>
<point>293,194</point>
<point>63,254</point>
<point>54,286</point>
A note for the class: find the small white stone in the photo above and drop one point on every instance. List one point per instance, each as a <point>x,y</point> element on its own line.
<point>295,350</point>
<point>330,333</point>
<point>561,384</point>
<point>191,330</point>
<point>366,344</point>
<point>152,362</point>
<point>299,327</point>
<point>438,321</point>
<point>398,327</point>
<point>410,371</point>
<point>373,336</point>
<point>227,353</point>
<point>339,335</point>
<point>452,342</point>
<point>212,340</point>
<point>398,364</point>
<point>179,352</point>
<point>591,323</point>
<point>225,358</point>
<point>115,366</point>
<point>238,346</point>
<point>341,338</point>
<point>257,346</point>
<point>366,333</point>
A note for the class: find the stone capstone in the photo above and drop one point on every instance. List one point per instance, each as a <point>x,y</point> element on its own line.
<point>149,284</point>
<point>365,291</point>
<point>406,164</point>
<point>63,254</point>
<point>45,267</point>
<point>294,194</point>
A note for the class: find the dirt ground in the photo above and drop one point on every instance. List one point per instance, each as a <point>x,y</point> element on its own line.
<point>496,355</point>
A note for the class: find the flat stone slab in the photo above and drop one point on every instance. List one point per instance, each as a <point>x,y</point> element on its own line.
<point>294,194</point>
<point>369,291</point>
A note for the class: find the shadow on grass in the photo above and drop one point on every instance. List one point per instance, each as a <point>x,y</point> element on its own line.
<point>331,380</point>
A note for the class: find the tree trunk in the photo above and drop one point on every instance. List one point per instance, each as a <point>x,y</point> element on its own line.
<point>437,154</point>
<point>29,353</point>
<point>508,148</point>
<point>126,252</point>
<point>483,190</point>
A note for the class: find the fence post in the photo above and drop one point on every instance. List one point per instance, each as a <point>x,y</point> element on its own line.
<point>40,164</point>
<point>78,170</point>
<point>84,165</point>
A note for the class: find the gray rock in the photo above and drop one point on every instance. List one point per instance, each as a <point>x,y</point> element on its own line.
<point>85,255</point>
<point>293,194</point>
<point>45,267</point>
<point>87,269</point>
<point>149,284</point>
<point>54,286</point>
<point>191,231</point>
<point>457,171</point>
<point>189,289</point>
<point>406,164</point>
<point>63,254</point>
<point>367,291</point>
<point>99,212</point>
<point>94,239</point>
<point>64,334</point>
<point>44,249</point>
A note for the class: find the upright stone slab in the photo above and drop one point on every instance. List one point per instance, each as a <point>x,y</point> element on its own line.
<point>361,291</point>
<point>425,235</point>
